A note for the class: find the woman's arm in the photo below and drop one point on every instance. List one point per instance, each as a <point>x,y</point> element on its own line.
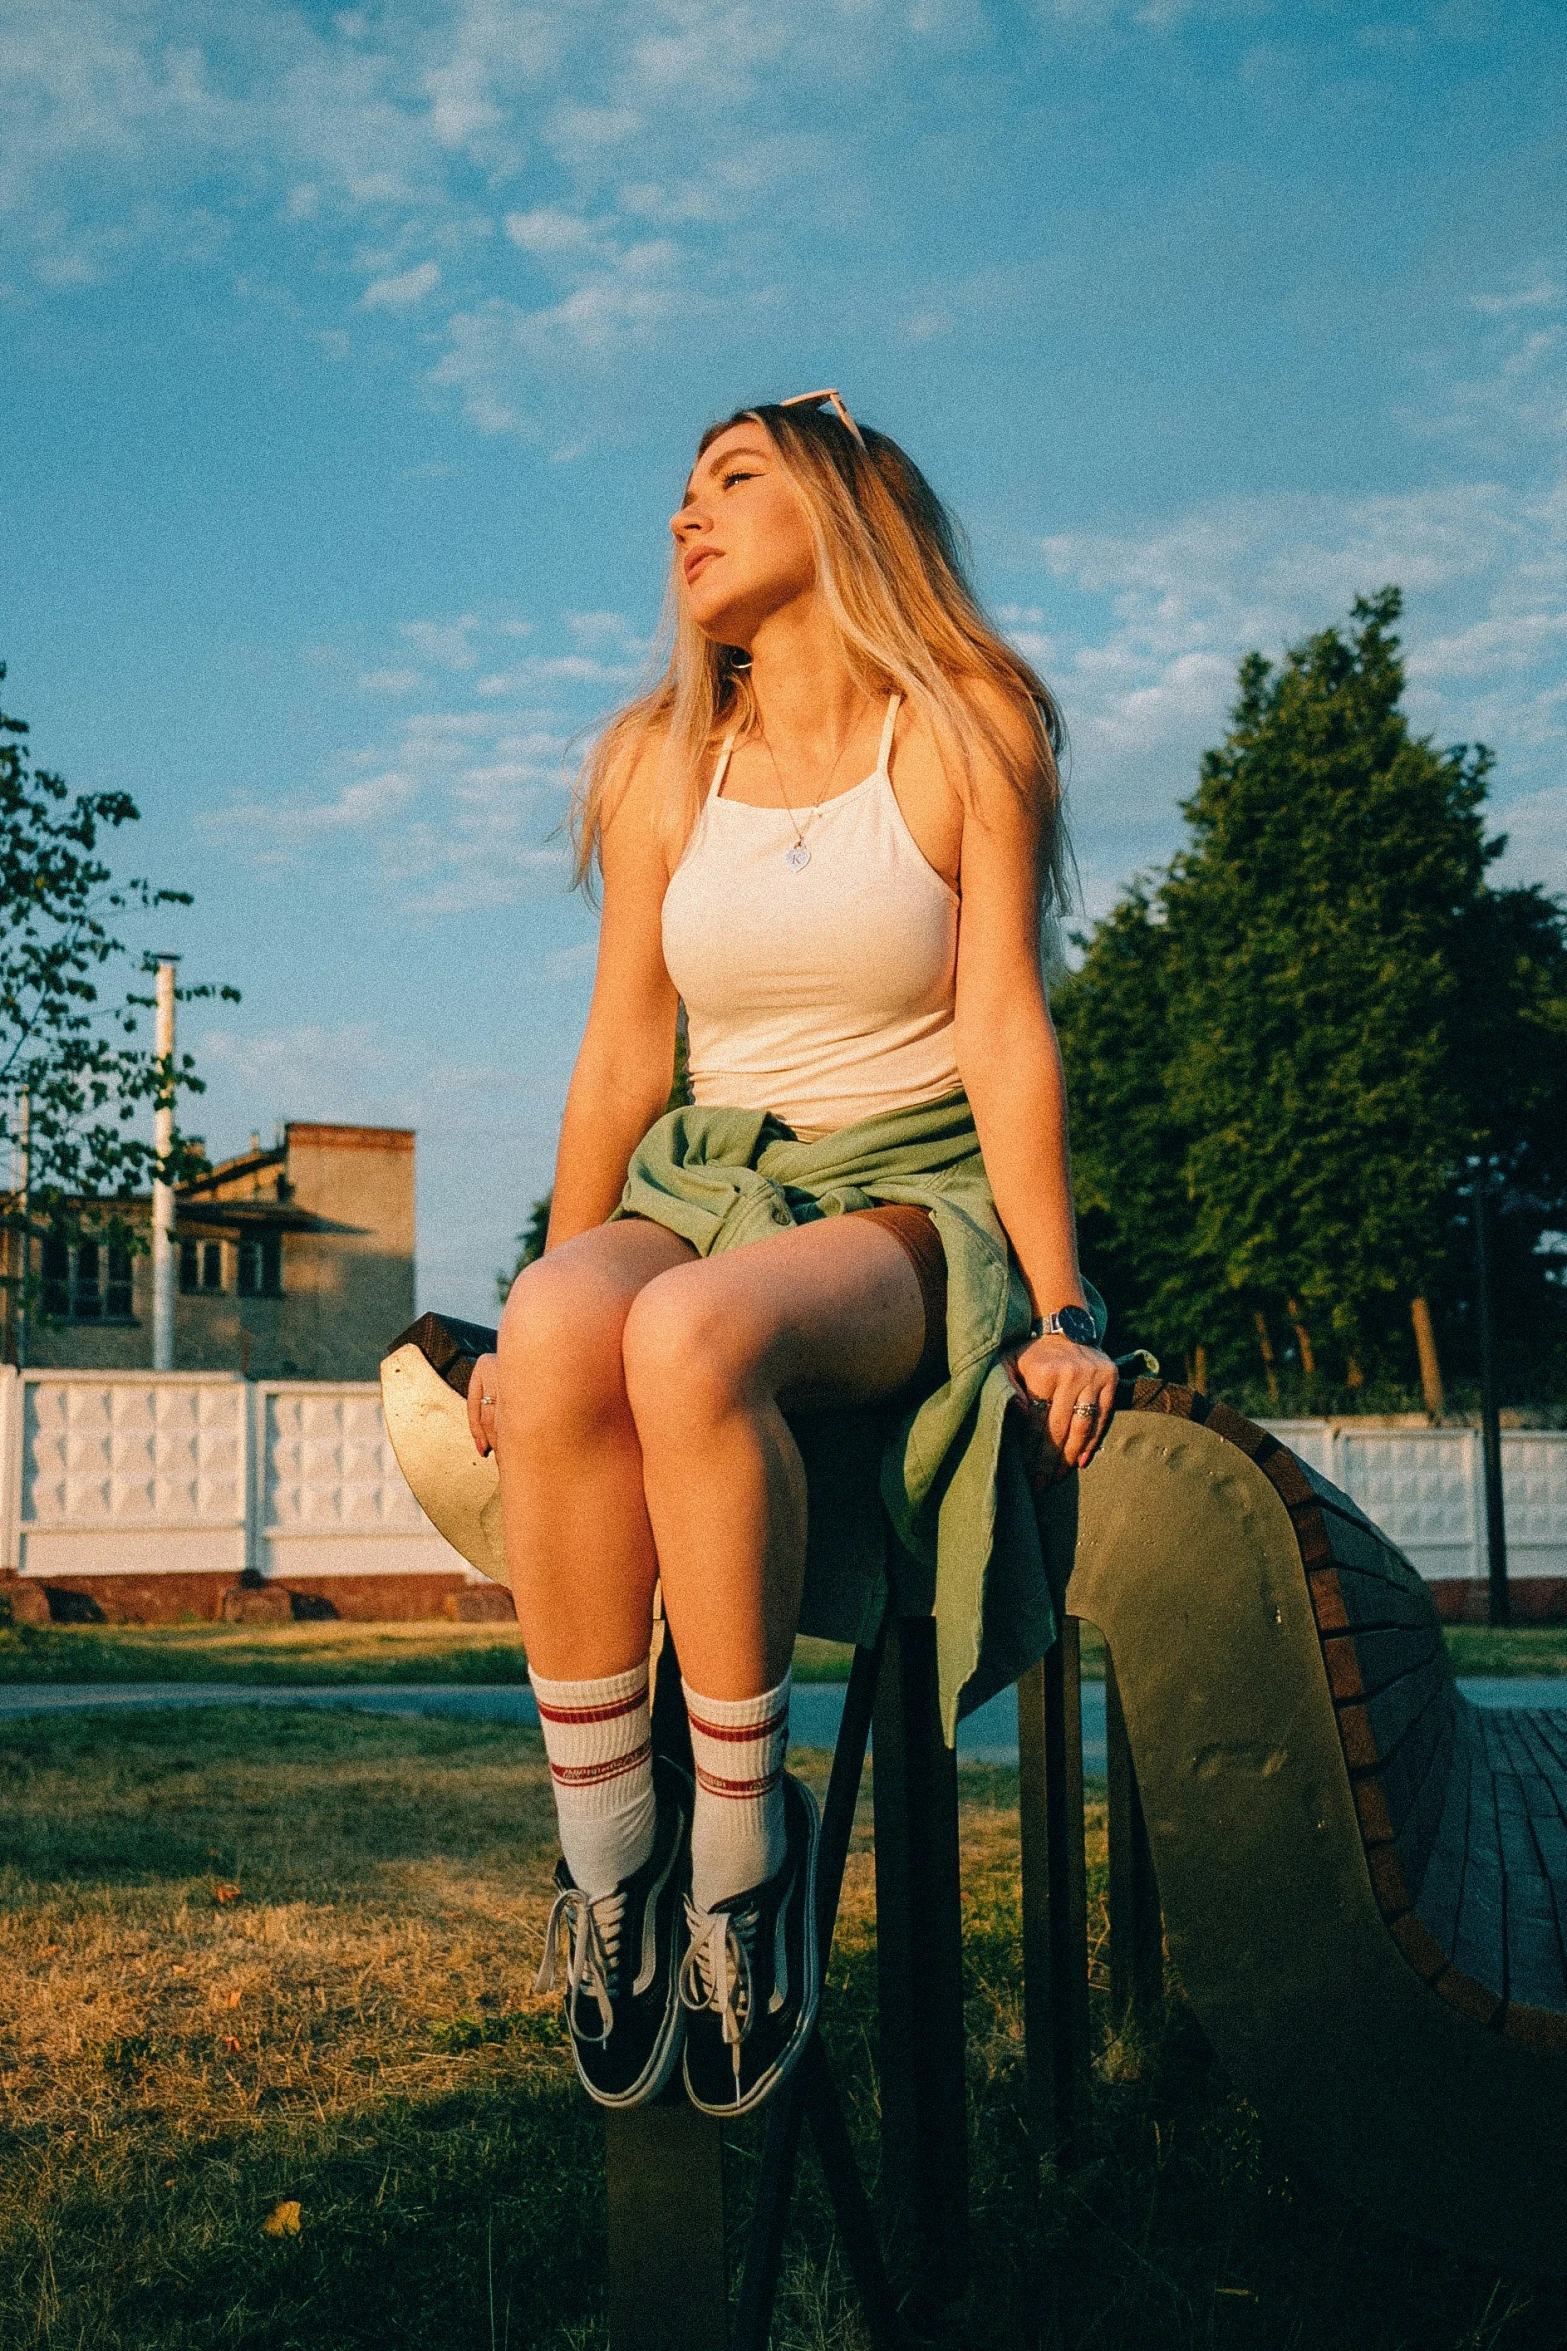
<point>1011,1068</point>
<point>626,1060</point>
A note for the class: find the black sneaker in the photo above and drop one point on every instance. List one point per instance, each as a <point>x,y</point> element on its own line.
<point>751,1978</point>
<point>622,1993</point>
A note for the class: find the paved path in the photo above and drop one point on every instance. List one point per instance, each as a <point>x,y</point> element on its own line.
<point>988,1736</point>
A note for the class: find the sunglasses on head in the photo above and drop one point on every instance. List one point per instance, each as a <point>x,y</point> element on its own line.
<point>815,399</point>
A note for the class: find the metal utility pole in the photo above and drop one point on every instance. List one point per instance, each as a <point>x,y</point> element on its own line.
<point>162,1191</point>
<point>1500,1609</point>
<point>24,1186</point>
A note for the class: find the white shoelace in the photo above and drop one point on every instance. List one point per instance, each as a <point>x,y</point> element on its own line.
<point>716,1970</point>
<point>594,1930</point>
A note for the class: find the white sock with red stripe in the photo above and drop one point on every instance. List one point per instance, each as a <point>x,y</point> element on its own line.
<point>599,1739</point>
<point>737,1829</point>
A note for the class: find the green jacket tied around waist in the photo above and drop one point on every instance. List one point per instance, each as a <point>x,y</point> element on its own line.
<point>925,1500</point>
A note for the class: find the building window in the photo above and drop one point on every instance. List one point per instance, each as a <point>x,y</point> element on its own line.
<point>86,1297</point>
<point>201,1267</point>
<point>117,1297</point>
<point>261,1265</point>
<point>90,1283</point>
<point>57,1280</point>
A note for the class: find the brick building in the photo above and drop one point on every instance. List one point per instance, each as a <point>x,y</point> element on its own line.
<point>294,1263</point>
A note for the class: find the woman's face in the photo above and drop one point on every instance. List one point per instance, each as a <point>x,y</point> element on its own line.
<point>743,547</point>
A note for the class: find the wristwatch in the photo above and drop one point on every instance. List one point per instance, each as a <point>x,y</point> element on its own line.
<point>1073,1322</point>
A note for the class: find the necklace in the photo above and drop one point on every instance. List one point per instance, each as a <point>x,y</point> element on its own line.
<point>797,856</point>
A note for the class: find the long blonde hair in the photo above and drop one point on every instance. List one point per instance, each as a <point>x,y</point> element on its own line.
<point>891,569</point>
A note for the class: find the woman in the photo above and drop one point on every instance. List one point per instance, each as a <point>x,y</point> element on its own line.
<point>828,830</point>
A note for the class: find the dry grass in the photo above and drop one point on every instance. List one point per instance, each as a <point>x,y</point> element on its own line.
<point>428,1651</point>
<point>258,1961</point>
<point>293,1654</point>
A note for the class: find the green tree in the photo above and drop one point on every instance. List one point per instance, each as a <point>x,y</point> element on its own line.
<point>1284,1055</point>
<point>68,1052</point>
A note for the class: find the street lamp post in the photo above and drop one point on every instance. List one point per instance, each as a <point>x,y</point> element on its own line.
<point>24,1185</point>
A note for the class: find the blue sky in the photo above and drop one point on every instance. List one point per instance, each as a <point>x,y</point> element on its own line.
<point>354,358</point>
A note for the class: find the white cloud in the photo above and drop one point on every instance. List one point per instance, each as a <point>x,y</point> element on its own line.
<point>537,673</point>
<point>1484,570</point>
<point>444,641</point>
<point>272,831</point>
<point>183,126</point>
<point>1542,294</point>
<point>454,809</point>
<point>604,629</point>
<point>502,359</point>
<point>1511,393</point>
<point>553,235</point>
<point>402,292</point>
<point>1536,829</point>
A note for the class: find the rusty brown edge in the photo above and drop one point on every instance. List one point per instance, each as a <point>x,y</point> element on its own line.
<point>1536,2028</point>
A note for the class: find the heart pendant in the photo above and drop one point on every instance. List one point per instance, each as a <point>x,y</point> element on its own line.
<point>797,858</point>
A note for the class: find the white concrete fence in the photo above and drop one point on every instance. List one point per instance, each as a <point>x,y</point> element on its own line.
<point>105,1473</point>
<point>146,1473</point>
<point>1425,1489</point>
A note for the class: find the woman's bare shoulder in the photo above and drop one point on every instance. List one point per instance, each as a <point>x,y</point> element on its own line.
<point>1001,743</point>
<point>647,803</point>
<point>633,780</point>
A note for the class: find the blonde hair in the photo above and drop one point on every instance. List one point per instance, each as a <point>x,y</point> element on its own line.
<point>891,569</point>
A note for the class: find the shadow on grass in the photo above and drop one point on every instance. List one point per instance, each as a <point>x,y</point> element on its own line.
<point>415,2223</point>
<point>352,2033</point>
<point>1186,2229</point>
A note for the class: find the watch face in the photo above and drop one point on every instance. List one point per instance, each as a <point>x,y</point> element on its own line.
<point>1077,1324</point>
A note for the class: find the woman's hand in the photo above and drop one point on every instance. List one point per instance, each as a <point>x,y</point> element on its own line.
<point>1069,1393</point>
<point>481,1403</point>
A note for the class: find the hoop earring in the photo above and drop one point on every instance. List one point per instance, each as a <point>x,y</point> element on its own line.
<point>738,657</point>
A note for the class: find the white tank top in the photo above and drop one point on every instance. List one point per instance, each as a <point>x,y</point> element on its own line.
<point>821,992</point>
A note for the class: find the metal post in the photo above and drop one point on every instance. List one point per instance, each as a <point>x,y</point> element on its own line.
<point>919,1969</point>
<point>162,1190</point>
<point>24,1174</point>
<point>1500,1600</point>
<point>1055,1899</point>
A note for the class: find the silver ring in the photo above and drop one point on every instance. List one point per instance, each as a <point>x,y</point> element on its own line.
<point>1081,1411</point>
<point>483,1399</point>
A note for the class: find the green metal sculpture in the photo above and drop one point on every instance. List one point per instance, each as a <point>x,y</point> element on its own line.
<point>1363,1876</point>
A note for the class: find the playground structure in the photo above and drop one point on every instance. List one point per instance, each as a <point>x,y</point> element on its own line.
<point>1362,1878</point>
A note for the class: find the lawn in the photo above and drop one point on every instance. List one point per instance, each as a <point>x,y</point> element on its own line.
<point>320,1653</point>
<point>316,1653</point>
<point>260,1964</point>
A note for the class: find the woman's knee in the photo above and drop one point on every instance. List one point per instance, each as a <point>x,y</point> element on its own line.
<point>558,1351</point>
<point>689,1352</point>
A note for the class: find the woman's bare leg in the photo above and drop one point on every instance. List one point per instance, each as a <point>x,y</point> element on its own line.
<point>578,1544</point>
<point>831,1311</point>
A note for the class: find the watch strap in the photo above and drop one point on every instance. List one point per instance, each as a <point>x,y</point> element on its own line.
<point>1046,1326</point>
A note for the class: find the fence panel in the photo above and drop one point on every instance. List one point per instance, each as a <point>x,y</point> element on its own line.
<point>1419,1487</point>
<point>1534,1492</point>
<point>332,1500</point>
<point>137,1473</point>
<point>1422,1486</point>
<point>130,1473</point>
